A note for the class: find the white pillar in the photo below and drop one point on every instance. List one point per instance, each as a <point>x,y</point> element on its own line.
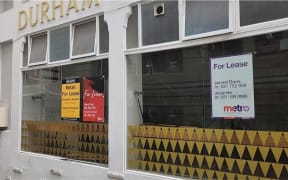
<point>16,98</point>
<point>117,23</point>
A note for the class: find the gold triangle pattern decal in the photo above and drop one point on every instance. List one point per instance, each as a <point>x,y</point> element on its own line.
<point>208,153</point>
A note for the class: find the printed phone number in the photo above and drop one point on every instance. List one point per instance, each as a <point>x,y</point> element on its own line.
<point>240,96</point>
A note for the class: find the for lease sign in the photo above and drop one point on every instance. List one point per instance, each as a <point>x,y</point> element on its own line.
<point>70,100</point>
<point>232,89</point>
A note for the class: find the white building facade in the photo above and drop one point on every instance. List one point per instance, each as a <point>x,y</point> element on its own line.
<point>101,89</point>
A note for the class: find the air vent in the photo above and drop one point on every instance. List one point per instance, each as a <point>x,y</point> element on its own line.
<point>159,9</point>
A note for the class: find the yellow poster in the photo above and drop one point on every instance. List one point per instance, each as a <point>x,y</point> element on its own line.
<point>70,101</point>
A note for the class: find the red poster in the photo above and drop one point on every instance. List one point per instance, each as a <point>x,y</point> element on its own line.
<point>93,99</point>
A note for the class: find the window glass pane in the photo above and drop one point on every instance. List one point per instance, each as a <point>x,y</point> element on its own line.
<point>38,49</point>
<point>48,97</point>
<point>59,44</point>
<point>84,38</point>
<point>169,114</point>
<point>25,54</point>
<point>132,29</point>
<point>162,62</point>
<point>160,28</point>
<point>252,12</point>
<point>104,35</point>
<point>206,16</point>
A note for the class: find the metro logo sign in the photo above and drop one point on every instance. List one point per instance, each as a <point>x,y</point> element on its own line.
<point>236,108</point>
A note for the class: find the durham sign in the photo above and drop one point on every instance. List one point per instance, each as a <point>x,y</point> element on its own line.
<point>46,11</point>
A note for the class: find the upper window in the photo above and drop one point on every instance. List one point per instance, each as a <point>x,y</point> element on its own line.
<point>160,22</point>
<point>206,16</point>
<point>38,51</point>
<point>67,42</point>
<point>84,38</point>
<point>253,12</point>
<point>59,44</point>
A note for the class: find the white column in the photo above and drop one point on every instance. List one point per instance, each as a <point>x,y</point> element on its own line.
<point>16,97</point>
<point>117,23</point>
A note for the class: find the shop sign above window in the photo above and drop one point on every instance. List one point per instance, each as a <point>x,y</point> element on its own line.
<point>51,10</point>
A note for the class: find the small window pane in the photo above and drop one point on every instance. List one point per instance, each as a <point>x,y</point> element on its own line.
<point>25,54</point>
<point>132,29</point>
<point>160,28</point>
<point>206,16</point>
<point>38,49</point>
<point>84,38</point>
<point>252,12</point>
<point>104,35</point>
<point>59,44</point>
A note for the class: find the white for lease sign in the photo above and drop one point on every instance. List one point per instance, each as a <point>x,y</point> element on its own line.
<point>232,89</point>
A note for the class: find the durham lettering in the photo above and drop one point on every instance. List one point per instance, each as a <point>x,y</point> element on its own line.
<point>47,11</point>
<point>59,6</point>
<point>44,11</point>
<point>35,22</point>
<point>72,5</point>
<point>22,16</point>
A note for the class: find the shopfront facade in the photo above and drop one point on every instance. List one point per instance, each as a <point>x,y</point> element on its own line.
<point>144,90</point>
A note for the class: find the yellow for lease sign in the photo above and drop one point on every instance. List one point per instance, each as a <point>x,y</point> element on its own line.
<point>70,101</point>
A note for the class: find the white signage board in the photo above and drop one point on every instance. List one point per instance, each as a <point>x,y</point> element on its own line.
<point>232,89</point>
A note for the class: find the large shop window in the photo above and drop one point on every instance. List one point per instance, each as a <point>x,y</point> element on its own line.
<point>65,104</point>
<point>253,12</point>
<point>65,111</point>
<point>171,129</point>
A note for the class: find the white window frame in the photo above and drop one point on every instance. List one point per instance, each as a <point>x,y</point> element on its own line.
<point>26,42</point>
<point>140,41</point>
<point>62,60</point>
<point>30,41</point>
<point>94,53</point>
<point>231,12</point>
